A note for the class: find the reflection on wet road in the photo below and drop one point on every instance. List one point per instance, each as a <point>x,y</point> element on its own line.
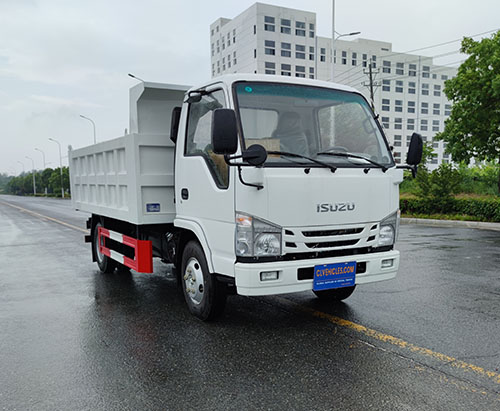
<point>73,338</point>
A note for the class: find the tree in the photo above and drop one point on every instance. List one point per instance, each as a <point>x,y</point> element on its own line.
<point>473,128</point>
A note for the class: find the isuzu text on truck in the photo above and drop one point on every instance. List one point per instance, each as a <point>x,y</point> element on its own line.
<point>265,185</point>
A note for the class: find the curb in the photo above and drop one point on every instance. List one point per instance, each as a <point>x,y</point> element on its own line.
<point>452,223</point>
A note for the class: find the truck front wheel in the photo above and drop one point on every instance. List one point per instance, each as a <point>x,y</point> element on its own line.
<point>105,264</point>
<point>205,296</point>
<point>337,294</point>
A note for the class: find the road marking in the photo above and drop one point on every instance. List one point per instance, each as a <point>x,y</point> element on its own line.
<point>55,220</point>
<point>377,335</point>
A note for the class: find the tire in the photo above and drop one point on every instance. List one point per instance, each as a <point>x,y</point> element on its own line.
<point>105,264</point>
<point>204,295</point>
<point>337,294</point>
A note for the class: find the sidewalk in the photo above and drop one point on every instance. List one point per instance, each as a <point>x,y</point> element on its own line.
<point>452,223</point>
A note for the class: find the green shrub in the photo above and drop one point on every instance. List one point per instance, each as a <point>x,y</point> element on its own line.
<point>482,209</point>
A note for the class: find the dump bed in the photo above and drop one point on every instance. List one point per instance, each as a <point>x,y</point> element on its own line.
<point>131,178</point>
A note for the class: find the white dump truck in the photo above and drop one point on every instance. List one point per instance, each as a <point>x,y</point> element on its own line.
<point>248,184</point>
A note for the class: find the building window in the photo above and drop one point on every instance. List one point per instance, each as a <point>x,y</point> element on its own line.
<point>437,90</point>
<point>286,70</point>
<point>268,23</point>
<point>234,36</point>
<point>286,26</point>
<point>400,68</point>
<point>426,70</point>
<point>300,51</point>
<point>435,125</point>
<point>285,50</point>
<point>386,67</point>
<point>386,85</point>
<point>411,107</point>
<point>423,125</point>
<point>386,104</point>
<point>412,72</point>
<point>344,57</point>
<point>411,87</point>
<point>398,123</point>
<point>444,77</point>
<point>447,109</point>
<point>374,61</point>
<point>300,27</point>
<point>270,67</point>
<point>424,108</point>
<point>385,122</point>
<point>399,86</point>
<point>254,53</point>
<point>434,76</point>
<point>311,53</point>
<point>311,70</point>
<point>300,69</point>
<point>436,109</point>
<point>425,89</point>
<point>365,57</point>
<point>410,124</point>
<point>269,47</point>
<point>398,106</point>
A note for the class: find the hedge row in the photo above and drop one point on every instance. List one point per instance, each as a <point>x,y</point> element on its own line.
<point>482,209</point>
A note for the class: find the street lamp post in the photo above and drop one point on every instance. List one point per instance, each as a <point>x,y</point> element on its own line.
<point>335,37</point>
<point>34,182</point>
<point>43,156</point>
<point>22,165</point>
<point>60,162</point>
<point>93,124</point>
<point>44,165</point>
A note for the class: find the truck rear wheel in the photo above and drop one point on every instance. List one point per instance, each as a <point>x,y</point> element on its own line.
<point>105,264</point>
<point>337,294</point>
<point>204,295</point>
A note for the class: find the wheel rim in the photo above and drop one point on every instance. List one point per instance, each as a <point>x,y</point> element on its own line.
<point>99,255</point>
<point>193,281</point>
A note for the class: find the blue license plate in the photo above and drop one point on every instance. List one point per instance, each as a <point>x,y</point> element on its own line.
<point>328,276</point>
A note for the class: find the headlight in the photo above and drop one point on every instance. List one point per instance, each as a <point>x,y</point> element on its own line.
<point>389,228</point>
<point>256,238</point>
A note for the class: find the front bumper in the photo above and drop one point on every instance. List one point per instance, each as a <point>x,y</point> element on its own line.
<point>248,282</point>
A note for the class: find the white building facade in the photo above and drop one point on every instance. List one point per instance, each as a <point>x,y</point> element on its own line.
<point>408,88</point>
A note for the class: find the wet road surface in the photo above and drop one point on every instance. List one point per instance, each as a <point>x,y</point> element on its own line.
<point>73,338</point>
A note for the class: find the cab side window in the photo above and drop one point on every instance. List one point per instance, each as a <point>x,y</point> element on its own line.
<point>198,137</point>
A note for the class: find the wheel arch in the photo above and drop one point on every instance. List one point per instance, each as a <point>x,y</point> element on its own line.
<point>191,230</point>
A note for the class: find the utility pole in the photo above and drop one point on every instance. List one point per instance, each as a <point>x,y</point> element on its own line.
<point>372,84</point>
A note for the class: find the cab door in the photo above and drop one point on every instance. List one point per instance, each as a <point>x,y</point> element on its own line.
<point>204,184</point>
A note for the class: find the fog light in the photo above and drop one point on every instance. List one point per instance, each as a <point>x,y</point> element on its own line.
<point>268,275</point>
<point>387,263</point>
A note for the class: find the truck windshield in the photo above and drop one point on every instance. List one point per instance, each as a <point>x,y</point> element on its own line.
<point>311,121</point>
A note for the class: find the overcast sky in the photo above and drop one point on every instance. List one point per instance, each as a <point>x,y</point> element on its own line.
<point>63,58</point>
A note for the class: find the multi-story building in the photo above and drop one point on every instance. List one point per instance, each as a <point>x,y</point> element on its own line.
<point>407,88</point>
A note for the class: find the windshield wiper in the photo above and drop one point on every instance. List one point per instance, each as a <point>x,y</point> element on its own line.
<point>350,155</point>
<point>313,160</point>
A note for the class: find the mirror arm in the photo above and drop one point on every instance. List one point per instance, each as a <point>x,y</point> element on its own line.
<point>257,186</point>
<point>413,169</point>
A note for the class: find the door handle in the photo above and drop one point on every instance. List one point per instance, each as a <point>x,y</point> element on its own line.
<point>184,193</point>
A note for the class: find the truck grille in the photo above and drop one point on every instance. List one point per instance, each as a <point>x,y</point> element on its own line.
<point>306,239</point>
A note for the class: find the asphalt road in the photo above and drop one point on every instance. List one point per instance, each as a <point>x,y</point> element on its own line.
<point>72,338</point>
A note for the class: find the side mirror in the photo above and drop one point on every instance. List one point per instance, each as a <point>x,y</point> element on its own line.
<point>224,131</point>
<point>414,156</point>
<point>255,155</point>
